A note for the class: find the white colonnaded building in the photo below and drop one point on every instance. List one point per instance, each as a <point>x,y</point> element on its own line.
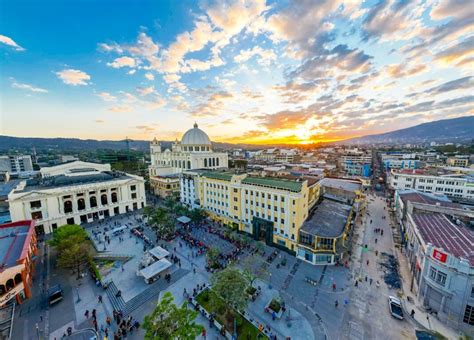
<point>193,152</point>
<point>75,193</point>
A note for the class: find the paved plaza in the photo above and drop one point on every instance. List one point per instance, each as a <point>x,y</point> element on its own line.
<point>309,292</point>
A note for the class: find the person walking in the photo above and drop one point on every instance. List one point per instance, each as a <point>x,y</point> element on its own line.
<point>99,298</point>
<point>336,303</point>
<point>86,314</point>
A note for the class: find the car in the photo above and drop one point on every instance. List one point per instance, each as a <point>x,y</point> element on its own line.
<point>395,306</point>
<point>55,294</point>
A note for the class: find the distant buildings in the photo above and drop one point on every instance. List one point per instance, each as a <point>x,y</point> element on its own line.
<point>18,165</point>
<point>274,209</point>
<point>17,252</point>
<point>356,162</point>
<point>193,152</point>
<point>75,193</point>
<point>461,161</point>
<point>436,181</point>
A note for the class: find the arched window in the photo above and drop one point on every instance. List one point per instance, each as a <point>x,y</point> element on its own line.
<point>103,199</point>
<point>213,162</point>
<point>18,279</point>
<point>189,164</point>
<point>93,201</point>
<point>205,162</point>
<point>9,285</point>
<point>3,290</point>
<point>114,197</point>
<point>67,207</point>
<point>81,204</point>
<point>217,161</point>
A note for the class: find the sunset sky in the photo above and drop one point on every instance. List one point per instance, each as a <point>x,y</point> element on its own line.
<point>246,71</point>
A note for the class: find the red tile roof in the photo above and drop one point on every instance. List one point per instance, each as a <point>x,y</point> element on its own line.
<point>439,230</point>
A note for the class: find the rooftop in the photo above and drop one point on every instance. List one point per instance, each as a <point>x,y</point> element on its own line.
<point>340,183</point>
<point>275,182</point>
<point>64,181</point>
<point>439,230</point>
<point>420,197</point>
<point>327,219</point>
<point>7,187</point>
<point>14,238</point>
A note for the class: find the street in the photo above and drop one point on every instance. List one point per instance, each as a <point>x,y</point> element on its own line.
<point>368,315</point>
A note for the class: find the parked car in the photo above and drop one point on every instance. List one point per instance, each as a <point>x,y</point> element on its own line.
<point>395,306</point>
<point>55,294</point>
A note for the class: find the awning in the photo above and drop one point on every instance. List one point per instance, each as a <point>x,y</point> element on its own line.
<point>184,219</point>
<point>155,269</point>
<point>159,252</point>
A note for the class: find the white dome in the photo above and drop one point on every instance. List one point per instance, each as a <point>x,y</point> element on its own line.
<point>195,136</point>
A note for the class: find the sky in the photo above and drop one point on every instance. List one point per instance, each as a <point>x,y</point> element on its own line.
<point>256,72</point>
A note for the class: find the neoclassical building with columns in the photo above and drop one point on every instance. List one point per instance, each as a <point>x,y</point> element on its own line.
<point>193,152</point>
<point>75,193</point>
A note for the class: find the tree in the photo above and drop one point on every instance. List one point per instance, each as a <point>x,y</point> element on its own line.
<point>253,269</point>
<point>230,284</point>
<point>168,321</point>
<point>212,256</point>
<point>65,232</point>
<point>198,215</point>
<point>74,247</point>
<point>162,222</point>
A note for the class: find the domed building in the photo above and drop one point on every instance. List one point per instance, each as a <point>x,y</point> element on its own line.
<point>193,152</point>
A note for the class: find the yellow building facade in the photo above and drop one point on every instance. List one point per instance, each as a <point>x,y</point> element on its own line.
<point>272,209</point>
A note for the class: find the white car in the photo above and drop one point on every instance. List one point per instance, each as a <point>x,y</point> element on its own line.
<point>395,306</point>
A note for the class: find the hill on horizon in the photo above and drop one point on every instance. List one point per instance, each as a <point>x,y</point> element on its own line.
<point>447,130</point>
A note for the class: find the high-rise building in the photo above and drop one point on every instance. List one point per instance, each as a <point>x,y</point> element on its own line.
<point>16,165</point>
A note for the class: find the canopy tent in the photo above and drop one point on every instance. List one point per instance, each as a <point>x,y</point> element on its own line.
<point>155,269</point>
<point>119,229</point>
<point>159,252</point>
<point>184,219</point>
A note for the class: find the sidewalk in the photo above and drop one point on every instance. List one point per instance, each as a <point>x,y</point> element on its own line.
<point>421,319</point>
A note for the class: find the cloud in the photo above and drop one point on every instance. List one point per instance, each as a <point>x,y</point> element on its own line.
<point>285,119</point>
<point>23,86</point>
<point>105,96</point>
<point>121,108</point>
<point>457,53</point>
<point>404,70</point>
<point>149,76</point>
<point>213,105</point>
<point>457,84</point>
<point>10,42</point>
<point>145,128</point>
<point>123,62</point>
<point>73,77</point>
<point>143,91</point>
<point>266,56</point>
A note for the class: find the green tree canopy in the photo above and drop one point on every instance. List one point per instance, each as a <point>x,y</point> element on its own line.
<point>74,247</point>
<point>168,321</point>
<point>66,231</point>
<point>253,269</point>
<point>231,285</point>
<point>212,256</point>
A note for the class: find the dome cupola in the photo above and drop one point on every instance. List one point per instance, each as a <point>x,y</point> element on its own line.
<point>195,136</point>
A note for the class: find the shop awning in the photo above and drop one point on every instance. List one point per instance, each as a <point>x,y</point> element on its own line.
<point>184,219</point>
<point>155,269</point>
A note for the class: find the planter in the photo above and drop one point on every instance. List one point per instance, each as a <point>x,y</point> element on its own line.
<point>274,306</point>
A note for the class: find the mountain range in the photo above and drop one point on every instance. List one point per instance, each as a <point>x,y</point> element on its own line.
<point>448,130</point>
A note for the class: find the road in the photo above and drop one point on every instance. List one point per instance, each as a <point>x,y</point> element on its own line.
<point>367,315</point>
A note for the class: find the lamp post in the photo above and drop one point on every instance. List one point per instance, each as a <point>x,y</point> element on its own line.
<point>78,297</point>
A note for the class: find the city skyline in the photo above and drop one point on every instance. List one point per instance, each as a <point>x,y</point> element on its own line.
<point>287,72</point>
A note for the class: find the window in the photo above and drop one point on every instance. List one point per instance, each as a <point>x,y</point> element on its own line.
<point>438,276</point>
<point>282,199</point>
<point>35,204</point>
<point>133,187</point>
<point>235,199</point>
<point>469,315</point>
<point>282,221</point>
<point>235,190</point>
<point>37,215</point>
<point>68,207</point>
<point>134,195</point>
<point>294,202</point>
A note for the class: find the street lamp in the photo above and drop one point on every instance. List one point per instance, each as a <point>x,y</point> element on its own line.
<point>78,297</point>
